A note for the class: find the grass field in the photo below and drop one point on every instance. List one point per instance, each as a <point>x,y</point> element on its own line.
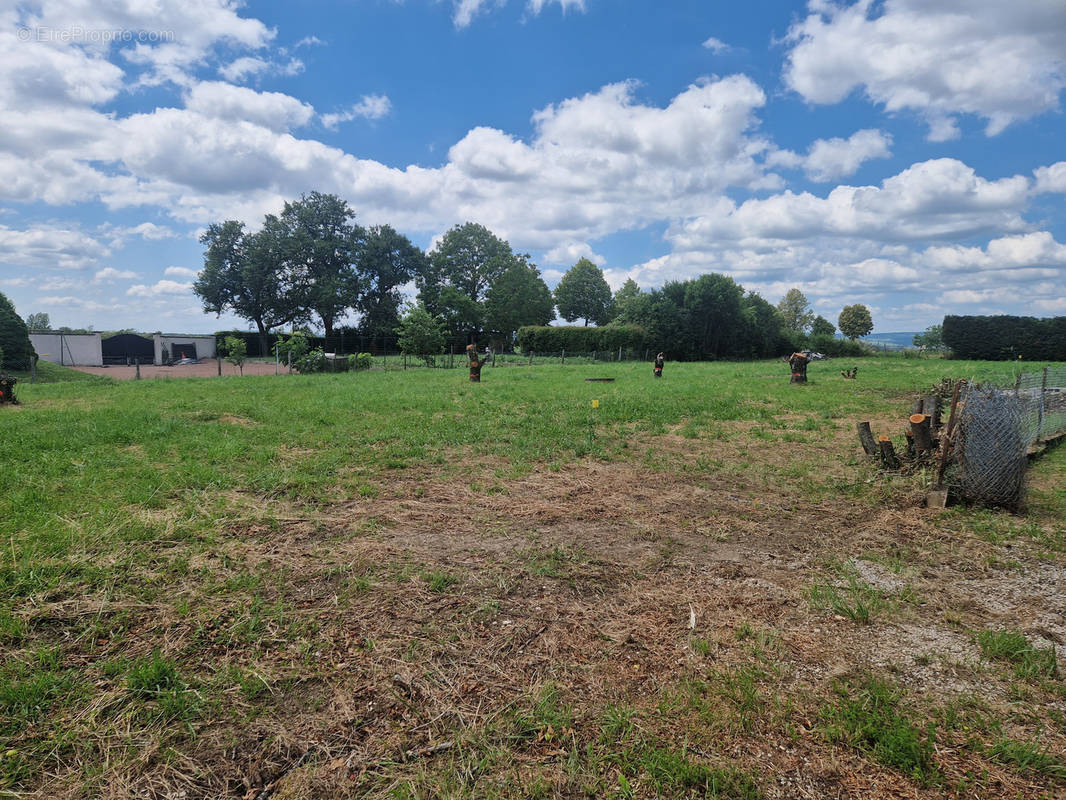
<point>399,584</point>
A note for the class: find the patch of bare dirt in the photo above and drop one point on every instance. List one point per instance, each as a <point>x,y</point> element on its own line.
<point>203,369</point>
<point>436,613</point>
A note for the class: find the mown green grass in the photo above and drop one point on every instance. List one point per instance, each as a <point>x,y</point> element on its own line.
<point>79,456</point>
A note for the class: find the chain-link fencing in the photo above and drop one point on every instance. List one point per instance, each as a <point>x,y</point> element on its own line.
<point>998,428</point>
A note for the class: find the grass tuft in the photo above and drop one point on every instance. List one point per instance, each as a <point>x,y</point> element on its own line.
<point>1014,648</point>
<point>867,716</point>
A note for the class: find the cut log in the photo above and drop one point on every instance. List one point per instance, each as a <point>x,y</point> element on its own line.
<point>888,452</point>
<point>923,437</point>
<point>866,436</point>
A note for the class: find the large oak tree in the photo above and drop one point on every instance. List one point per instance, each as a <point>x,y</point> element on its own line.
<point>467,260</point>
<point>322,246</point>
<point>248,274</point>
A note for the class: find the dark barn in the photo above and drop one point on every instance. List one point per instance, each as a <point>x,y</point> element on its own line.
<point>127,348</point>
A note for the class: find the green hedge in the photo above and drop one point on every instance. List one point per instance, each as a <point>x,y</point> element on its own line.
<point>1002,338</point>
<point>576,339</point>
<point>837,348</point>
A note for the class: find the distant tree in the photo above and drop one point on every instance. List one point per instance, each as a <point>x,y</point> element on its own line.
<point>932,338</point>
<point>421,334</point>
<point>583,293</point>
<point>236,351</point>
<point>629,291</point>
<point>460,313</point>
<point>38,322</point>
<point>855,321</point>
<point>249,275</point>
<point>518,297</point>
<point>321,244</point>
<point>761,332</point>
<point>14,338</point>
<point>468,259</point>
<point>795,311</point>
<point>386,261</point>
<point>713,305</point>
<point>820,326</point>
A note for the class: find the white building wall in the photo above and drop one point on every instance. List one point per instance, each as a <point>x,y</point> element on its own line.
<point>70,349</point>
<point>205,345</point>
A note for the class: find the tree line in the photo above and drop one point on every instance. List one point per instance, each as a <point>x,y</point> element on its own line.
<point>313,264</point>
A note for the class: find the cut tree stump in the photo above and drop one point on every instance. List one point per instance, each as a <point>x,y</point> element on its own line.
<point>920,429</point>
<point>866,436</point>
<point>888,452</point>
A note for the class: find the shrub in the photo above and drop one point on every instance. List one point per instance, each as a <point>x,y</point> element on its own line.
<point>837,348</point>
<point>578,339</point>
<point>364,361</point>
<point>14,338</point>
<point>313,361</point>
<point>293,347</point>
<point>236,351</point>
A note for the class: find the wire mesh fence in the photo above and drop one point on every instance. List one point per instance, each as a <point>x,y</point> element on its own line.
<point>997,429</point>
<point>1042,403</point>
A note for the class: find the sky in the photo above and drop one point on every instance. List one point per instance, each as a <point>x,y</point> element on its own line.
<point>909,155</point>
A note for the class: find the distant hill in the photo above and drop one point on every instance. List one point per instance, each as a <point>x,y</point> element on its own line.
<point>892,341</point>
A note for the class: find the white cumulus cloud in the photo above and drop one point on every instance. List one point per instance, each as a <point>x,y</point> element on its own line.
<point>1000,61</point>
<point>272,110</point>
<point>111,274</point>
<point>1051,179</point>
<point>371,106</point>
<point>180,272</point>
<point>716,46</point>
<point>163,287</point>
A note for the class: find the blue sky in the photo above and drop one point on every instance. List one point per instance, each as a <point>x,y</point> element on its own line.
<point>906,154</point>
